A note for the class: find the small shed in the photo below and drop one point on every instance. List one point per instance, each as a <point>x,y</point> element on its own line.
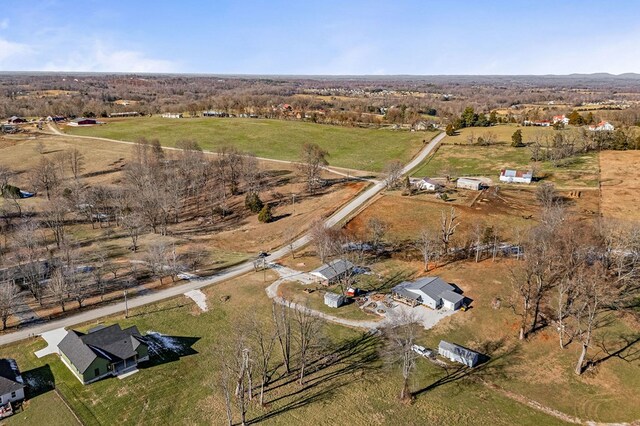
<point>457,353</point>
<point>333,300</point>
<point>469,183</point>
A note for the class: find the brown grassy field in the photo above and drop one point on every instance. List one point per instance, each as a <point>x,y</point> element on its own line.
<point>219,243</point>
<point>620,184</point>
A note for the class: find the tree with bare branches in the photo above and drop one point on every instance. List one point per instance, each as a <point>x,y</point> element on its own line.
<point>400,333</point>
<point>312,160</point>
<point>448,224</point>
<point>8,301</point>
<point>427,244</point>
<point>308,328</point>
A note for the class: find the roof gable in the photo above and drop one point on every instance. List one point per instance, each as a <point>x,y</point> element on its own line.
<point>10,377</point>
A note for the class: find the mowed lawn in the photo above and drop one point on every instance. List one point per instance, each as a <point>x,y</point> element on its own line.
<point>356,148</point>
<point>455,157</point>
<point>183,389</point>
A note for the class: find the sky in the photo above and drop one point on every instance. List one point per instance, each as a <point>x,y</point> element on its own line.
<point>328,37</point>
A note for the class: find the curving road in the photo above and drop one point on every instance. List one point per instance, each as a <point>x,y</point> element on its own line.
<point>233,272</point>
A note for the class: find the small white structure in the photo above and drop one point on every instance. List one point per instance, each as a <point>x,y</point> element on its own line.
<point>458,354</point>
<point>469,183</point>
<point>333,300</point>
<point>427,184</point>
<point>171,115</point>
<point>560,119</point>
<point>515,176</point>
<point>603,126</point>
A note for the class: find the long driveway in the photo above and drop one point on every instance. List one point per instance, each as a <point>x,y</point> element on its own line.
<point>233,272</point>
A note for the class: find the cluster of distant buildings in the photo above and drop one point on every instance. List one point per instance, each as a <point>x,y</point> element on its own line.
<point>603,126</point>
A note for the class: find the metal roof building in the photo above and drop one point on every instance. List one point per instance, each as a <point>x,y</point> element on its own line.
<point>458,354</point>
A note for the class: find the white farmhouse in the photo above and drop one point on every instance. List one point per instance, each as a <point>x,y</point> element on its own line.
<point>427,184</point>
<point>603,126</point>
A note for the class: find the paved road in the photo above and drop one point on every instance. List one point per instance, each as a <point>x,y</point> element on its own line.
<point>233,272</point>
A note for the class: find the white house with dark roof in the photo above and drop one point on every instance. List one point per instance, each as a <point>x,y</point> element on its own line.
<point>333,271</point>
<point>103,352</point>
<point>427,184</point>
<point>433,292</point>
<point>11,386</point>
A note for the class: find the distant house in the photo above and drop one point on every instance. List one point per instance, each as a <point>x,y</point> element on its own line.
<point>213,113</point>
<point>333,271</point>
<point>56,118</point>
<point>469,183</point>
<point>125,114</point>
<point>433,292</point>
<point>427,184</point>
<point>9,128</point>
<point>81,121</point>
<point>333,300</point>
<point>16,120</point>
<point>603,126</point>
<point>11,386</point>
<point>103,352</point>
<point>171,115</point>
<point>458,354</point>
<point>560,119</point>
<point>538,123</point>
<point>515,176</point>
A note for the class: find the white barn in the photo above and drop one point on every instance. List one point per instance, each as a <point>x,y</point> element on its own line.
<point>469,183</point>
<point>515,176</point>
<point>171,115</point>
<point>458,354</point>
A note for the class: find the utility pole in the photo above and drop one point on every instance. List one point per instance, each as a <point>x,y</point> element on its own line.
<point>126,305</point>
<point>293,202</point>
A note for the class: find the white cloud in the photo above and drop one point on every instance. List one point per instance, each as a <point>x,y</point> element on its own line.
<point>97,57</point>
<point>10,50</point>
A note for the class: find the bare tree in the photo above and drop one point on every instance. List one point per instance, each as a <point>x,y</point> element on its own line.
<point>45,176</point>
<point>400,333</point>
<point>427,244</point>
<point>134,224</point>
<point>264,343</point>
<point>8,300</point>
<point>448,224</point>
<point>54,213</point>
<point>157,259</point>
<point>546,194</point>
<point>321,239</point>
<point>312,160</point>
<point>76,162</point>
<point>377,229</point>
<point>393,173</point>
<point>59,287</point>
<point>307,336</point>
<point>281,314</point>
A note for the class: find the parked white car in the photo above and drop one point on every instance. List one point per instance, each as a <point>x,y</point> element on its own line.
<point>422,351</point>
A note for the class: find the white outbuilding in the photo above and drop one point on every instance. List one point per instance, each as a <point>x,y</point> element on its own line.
<point>457,353</point>
<point>469,183</point>
<point>333,300</point>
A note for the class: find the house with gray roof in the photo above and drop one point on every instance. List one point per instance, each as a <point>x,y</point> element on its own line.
<point>433,292</point>
<point>103,351</point>
<point>333,271</point>
<point>458,354</point>
<point>11,386</point>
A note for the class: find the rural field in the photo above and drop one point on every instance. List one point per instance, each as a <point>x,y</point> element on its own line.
<point>215,243</point>
<point>620,184</point>
<point>182,385</point>
<point>455,157</point>
<point>356,148</point>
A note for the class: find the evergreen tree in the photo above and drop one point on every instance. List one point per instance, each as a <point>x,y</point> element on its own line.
<point>265,215</point>
<point>253,202</point>
<point>450,131</point>
<point>516,139</point>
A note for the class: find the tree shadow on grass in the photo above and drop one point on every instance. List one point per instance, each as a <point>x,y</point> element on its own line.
<point>627,349</point>
<point>328,373</point>
<point>38,381</point>
<point>492,363</point>
<point>164,349</point>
